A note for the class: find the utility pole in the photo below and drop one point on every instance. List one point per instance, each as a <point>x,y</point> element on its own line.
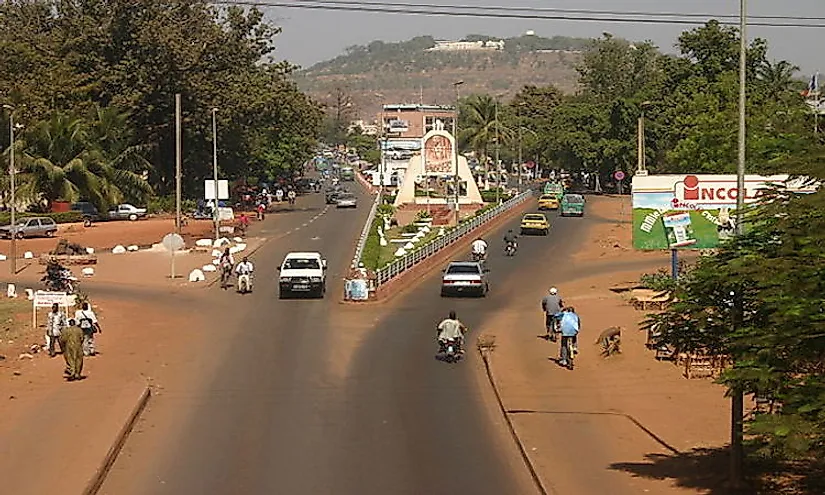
<point>641,167</point>
<point>12,203</point>
<point>520,161</point>
<point>178,164</point>
<point>455,145</point>
<point>215,169</point>
<point>498,165</point>
<point>737,397</point>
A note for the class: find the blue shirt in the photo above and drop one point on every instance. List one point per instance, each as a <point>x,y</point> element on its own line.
<point>569,323</point>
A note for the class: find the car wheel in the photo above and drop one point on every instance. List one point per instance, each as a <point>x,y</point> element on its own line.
<point>546,232</point>
<point>281,295</point>
<point>87,222</point>
<point>133,217</point>
<point>522,232</point>
<point>19,235</point>
<point>51,233</point>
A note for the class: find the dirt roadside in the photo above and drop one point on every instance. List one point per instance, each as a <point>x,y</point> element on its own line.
<point>627,424</point>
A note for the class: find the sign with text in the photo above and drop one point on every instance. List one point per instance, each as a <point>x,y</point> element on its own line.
<point>44,299</point>
<point>694,211</point>
<point>209,189</point>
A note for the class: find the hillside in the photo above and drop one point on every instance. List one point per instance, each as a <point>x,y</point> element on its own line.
<point>405,71</point>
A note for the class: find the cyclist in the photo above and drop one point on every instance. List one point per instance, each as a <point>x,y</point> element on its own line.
<point>570,325</point>
<point>551,304</point>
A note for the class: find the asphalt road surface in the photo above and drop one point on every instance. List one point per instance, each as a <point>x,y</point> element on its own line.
<point>277,415</point>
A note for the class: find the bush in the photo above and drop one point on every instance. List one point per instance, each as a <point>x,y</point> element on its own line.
<point>371,254</point>
<point>423,215</point>
<point>490,196</point>
<point>409,229</point>
<point>168,204</point>
<point>60,217</point>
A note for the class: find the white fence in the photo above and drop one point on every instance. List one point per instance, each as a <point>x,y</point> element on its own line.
<point>400,265</point>
<point>365,232</point>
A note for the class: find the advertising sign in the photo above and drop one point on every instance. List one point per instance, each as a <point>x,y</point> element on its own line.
<point>397,126</point>
<point>694,211</point>
<point>438,154</point>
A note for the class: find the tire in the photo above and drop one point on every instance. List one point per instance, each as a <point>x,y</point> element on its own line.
<point>20,235</point>
<point>51,233</point>
<point>87,222</point>
<point>281,295</point>
<point>132,217</point>
<point>545,232</point>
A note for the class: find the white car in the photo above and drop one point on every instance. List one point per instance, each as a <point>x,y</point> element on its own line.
<point>465,277</point>
<point>346,200</point>
<point>303,273</point>
<point>126,211</point>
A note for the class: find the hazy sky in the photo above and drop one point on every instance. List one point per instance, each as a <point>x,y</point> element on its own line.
<point>310,36</point>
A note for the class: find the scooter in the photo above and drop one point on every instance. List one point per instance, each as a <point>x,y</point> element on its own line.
<point>450,350</point>
<point>510,249</point>
<point>244,283</point>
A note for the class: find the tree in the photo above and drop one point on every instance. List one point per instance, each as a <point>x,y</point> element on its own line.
<point>778,77</point>
<point>480,125</point>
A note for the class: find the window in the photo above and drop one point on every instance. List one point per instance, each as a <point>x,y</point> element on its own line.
<point>301,264</point>
<point>462,269</point>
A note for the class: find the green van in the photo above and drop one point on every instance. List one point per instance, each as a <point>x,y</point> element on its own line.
<point>572,205</point>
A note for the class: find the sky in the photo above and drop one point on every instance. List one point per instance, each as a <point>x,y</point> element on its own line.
<point>311,36</point>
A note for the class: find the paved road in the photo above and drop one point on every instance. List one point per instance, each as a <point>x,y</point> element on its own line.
<point>281,416</point>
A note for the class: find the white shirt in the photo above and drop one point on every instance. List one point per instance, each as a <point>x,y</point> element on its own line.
<point>244,268</point>
<point>450,329</point>
<point>479,246</point>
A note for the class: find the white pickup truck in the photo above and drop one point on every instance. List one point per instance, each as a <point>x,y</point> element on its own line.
<point>303,273</point>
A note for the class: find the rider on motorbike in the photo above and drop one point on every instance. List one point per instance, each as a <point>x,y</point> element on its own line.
<point>226,262</point>
<point>451,329</point>
<point>244,271</point>
<point>479,249</point>
<point>510,239</point>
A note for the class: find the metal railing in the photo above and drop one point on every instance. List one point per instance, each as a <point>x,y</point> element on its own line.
<point>400,265</point>
<point>365,232</point>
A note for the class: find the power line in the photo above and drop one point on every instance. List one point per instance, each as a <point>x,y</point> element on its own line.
<point>526,13</point>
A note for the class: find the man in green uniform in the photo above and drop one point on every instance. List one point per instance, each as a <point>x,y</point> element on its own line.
<point>71,341</point>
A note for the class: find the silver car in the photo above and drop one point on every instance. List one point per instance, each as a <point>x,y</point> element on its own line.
<point>465,277</point>
<point>30,227</point>
<point>346,200</point>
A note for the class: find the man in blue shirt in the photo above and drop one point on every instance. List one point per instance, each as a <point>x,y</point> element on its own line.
<point>570,324</point>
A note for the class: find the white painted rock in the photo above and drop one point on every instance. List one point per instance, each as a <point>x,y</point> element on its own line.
<point>383,242</point>
<point>221,242</point>
<point>203,242</point>
<point>11,291</point>
<point>196,276</point>
<point>28,255</point>
<point>30,294</point>
<point>441,232</point>
<point>216,253</point>
<point>90,250</point>
<point>209,268</point>
<point>409,246</point>
<point>88,271</point>
<point>426,230</point>
<point>234,250</point>
<point>238,239</point>
<point>241,247</point>
<point>132,248</point>
<point>401,252</point>
<point>216,262</point>
<point>118,249</point>
<point>3,257</point>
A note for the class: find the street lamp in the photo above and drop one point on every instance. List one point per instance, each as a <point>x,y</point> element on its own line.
<point>455,146</point>
<point>12,176</point>
<point>215,169</point>
<point>382,145</point>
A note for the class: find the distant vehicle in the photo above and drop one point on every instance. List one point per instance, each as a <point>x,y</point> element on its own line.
<point>30,227</point>
<point>535,222</point>
<point>346,200</point>
<point>548,202</point>
<point>553,188</point>
<point>572,205</point>
<point>333,193</point>
<point>126,211</point>
<point>465,277</point>
<point>303,273</point>
<point>88,211</point>
<point>347,174</point>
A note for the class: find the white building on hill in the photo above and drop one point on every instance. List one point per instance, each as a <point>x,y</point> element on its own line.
<point>453,46</point>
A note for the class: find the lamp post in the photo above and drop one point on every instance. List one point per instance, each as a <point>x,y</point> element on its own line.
<point>215,169</point>
<point>498,163</point>
<point>641,168</point>
<point>455,146</point>
<point>520,161</point>
<point>382,145</point>
<point>13,200</point>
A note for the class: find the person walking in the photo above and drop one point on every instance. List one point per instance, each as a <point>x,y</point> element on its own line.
<point>87,321</point>
<point>71,341</point>
<point>54,328</point>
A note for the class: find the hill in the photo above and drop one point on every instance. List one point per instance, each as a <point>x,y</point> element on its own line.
<point>424,70</point>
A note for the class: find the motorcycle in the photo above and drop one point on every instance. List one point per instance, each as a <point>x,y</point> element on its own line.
<point>478,257</point>
<point>510,249</point>
<point>450,350</point>
<point>244,283</point>
<point>58,278</point>
<point>226,274</point>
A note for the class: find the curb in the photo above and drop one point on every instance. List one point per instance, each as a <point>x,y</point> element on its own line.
<point>522,450</point>
<point>100,475</point>
<point>409,278</point>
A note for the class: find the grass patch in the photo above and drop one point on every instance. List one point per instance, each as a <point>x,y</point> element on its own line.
<point>376,256</point>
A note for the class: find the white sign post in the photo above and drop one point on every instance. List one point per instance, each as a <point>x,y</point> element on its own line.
<point>44,299</point>
<point>173,242</point>
<point>209,190</point>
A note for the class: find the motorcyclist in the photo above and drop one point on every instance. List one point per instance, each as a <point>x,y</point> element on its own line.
<point>510,239</point>
<point>451,329</point>
<point>226,262</point>
<point>244,271</point>
<point>479,249</point>
<point>569,325</point>
<point>291,196</point>
<point>552,305</point>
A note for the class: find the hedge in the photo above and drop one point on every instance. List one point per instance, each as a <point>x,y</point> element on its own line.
<point>60,217</point>
<point>490,196</point>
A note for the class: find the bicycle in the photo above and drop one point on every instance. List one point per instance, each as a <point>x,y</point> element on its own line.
<point>568,351</point>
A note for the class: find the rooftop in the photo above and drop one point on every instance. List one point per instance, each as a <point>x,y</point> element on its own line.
<point>420,108</point>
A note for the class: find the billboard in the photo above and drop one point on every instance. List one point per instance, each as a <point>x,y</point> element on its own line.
<point>693,211</point>
<point>438,153</point>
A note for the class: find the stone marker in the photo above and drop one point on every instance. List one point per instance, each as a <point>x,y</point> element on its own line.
<point>28,255</point>
<point>196,276</point>
<point>209,268</point>
<point>118,249</point>
<point>88,271</point>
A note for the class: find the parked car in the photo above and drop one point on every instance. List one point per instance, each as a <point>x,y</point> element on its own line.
<point>88,211</point>
<point>126,211</point>
<point>535,222</point>
<point>303,273</point>
<point>346,200</point>
<point>572,205</point>
<point>30,227</point>
<point>465,277</point>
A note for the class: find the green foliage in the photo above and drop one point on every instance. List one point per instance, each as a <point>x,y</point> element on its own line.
<point>409,229</point>
<point>371,255</point>
<point>59,217</point>
<point>422,215</point>
<point>385,210</point>
<point>168,204</point>
<point>491,196</point>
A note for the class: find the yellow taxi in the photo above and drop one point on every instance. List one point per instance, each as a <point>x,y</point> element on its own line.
<point>548,202</point>
<point>535,223</point>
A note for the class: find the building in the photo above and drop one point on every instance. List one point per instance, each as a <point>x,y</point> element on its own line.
<point>367,129</point>
<point>453,46</point>
<point>411,122</point>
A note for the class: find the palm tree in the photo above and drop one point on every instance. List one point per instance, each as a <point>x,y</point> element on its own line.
<point>65,158</point>
<point>480,127</point>
<point>778,77</point>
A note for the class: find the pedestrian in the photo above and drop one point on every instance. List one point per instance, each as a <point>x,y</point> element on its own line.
<point>54,328</point>
<point>87,321</point>
<point>279,195</point>
<point>71,341</point>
